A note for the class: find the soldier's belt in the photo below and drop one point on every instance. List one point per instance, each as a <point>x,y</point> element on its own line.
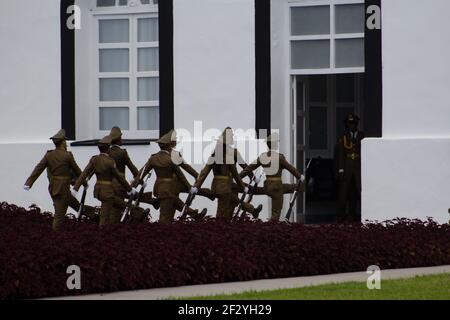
<point>61,178</point>
<point>273,178</point>
<point>353,156</point>
<point>222,177</point>
<point>104,183</point>
<point>164,179</point>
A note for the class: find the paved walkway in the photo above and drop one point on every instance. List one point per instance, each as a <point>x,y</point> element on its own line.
<point>259,285</point>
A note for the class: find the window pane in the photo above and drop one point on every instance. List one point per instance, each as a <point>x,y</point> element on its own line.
<point>341,115</point>
<point>148,89</point>
<point>314,54</point>
<point>114,89</point>
<point>111,117</point>
<point>310,20</point>
<point>114,31</point>
<point>318,128</point>
<point>345,88</point>
<point>148,118</point>
<point>148,59</point>
<point>148,30</point>
<point>350,18</point>
<point>318,88</point>
<point>349,53</point>
<point>114,60</point>
<point>106,3</point>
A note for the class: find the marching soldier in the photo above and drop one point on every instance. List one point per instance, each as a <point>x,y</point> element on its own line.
<point>177,158</point>
<point>168,180</point>
<point>349,170</point>
<point>223,165</point>
<point>123,161</point>
<point>105,169</point>
<point>61,168</point>
<point>274,163</point>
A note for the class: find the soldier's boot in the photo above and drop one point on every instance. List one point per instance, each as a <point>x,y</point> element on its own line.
<point>200,215</point>
<point>257,211</point>
<point>145,216</point>
<point>148,198</point>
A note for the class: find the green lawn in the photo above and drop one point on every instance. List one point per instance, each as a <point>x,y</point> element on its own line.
<point>435,287</point>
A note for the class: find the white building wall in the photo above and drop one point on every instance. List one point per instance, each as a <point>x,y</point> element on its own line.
<point>30,93</point>
<point>214,82</point>
<point>214,62</point>
<point>406,173</point>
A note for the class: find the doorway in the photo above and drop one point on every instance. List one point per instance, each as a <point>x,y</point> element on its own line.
<point>320,106</point>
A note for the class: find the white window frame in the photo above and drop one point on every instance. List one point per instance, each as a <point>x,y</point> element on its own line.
<point>132,13</point>
<point>332,37</point>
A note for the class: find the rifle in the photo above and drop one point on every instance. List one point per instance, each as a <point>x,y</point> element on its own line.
<point>187,204</point>
<point>294,196</point>
<point>130,203</point>
<point>83,200</point>
<point>251,187</point>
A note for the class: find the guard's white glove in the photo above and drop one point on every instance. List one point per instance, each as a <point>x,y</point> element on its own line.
<point>302,178</point>
<point>26,188</point>
<point>133,192</point>
<point>246,190</point>
<point>257,179</point>
<point>73,192</point>
<point>341,170</point>
<point>194,190</point>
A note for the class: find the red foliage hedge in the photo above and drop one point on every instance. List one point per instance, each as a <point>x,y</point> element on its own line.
<point>34,260</point>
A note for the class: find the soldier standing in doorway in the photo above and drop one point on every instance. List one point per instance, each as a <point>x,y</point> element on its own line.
<point>61,169</point>
<point>123,161</point>
<point>349,171</point>
<point>223,164</point>
<point>168,179</point>
<point>274,163</point>
<point>104,167</point>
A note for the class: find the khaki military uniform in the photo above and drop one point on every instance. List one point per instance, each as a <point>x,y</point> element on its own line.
<point>224,169</point>
<point>349,166</point>
<point>123,161</point>
<point>169,181</point>
<point>177,158</point>
<point>273,186</point>
<point>106,171</point>
<point>61,168</point>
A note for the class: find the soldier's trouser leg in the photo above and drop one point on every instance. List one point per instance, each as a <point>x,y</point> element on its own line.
<point>223,207</point>
<point>207,193</point>
<point>235,201</point>
<point>342,201</point>
<point>60,204</point>
<point>277,205</point>
<point>89,211</point>
<point>117,210</point>
<point>353,201</point>
<point>167,211</point>
<point>179,205</point>
<point>105,212</point>
<point>148,198</point>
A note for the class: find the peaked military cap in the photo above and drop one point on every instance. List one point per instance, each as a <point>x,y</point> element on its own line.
<point>116,133</point>
<point>351,118</point>
<point>168,138</point>
<point>224,138</point>
<point>61,135</point>
<point>274,137</point>
<point>106,141</point>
